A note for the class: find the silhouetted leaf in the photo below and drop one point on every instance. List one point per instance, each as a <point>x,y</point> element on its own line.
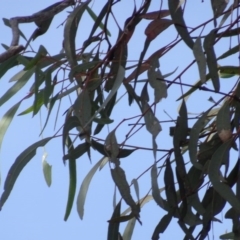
<point>213,171</point>
<point>230,52</point>
<point>194,137</point>
<point>211,59</point>
<point>223,123</point>
<point>157,26</point>
<point>218,7</point>
<point>70,123</point>
<point>200,59</point>
<point>77,152</point>
<point>162,225</point>
<point>113,226</point>
<point>177,17</point>
<point>72,179</point>
<point>70,31</point>
<point>111,146</point>
<point>20,162</point>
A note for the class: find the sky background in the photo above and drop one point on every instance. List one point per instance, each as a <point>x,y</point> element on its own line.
<point>35,211</point>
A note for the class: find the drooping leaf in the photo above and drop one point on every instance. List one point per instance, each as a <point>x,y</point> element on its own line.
<point>6,120</point>
<point>159,86</point>
<point>22,80</point>
<point>70,31</point>
<point>152,123</point>
<point>193,141</point>
<point>213,172</point>
<point>170,186</point>
<point>96,19</point>
<point>113,226</point>
<point>20,162</point>
<point>42,52</point>
<point>162,225</point>
<point>200,59</point>
<point>228,13</point>
<point>117,84</point>
<point>136,187</point>
<point>155,190</point>
<point>218,7</point>
<point>223,123</point>
<point>127,235</point>
<point>119,178</point>
<point>84,188</point>
<point>111,146</point>
<point>70,123</point>
<point>177,17</point>
<point>8,64</point>
<point>157,26</point>
<point>211,59</point>
<point>72,179</point>
<point>229,52</point>
<point>83,110</point>
<point>47,170</point>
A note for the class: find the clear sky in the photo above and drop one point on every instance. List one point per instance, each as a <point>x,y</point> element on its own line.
<point>35,211</point>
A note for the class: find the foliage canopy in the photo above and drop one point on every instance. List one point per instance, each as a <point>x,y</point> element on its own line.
<point>98,74</point>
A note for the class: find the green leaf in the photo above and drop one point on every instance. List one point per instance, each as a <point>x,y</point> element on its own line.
<point>113,226</point>
<point>117,84</point>
<point>70,123</point>
<point>70,31</point>
<point>223,122</point>
<point>6,120</point>
<point>177,17</point>
<point>8,64</point>
<point>20,162</point>
<point>96,20</point>
<point>200,59</point>
<point>193,141</point>
<point>42,52</point>
<point>82,108</point>
<point>152,123</point>
<point>213,172</point>
<point>156,191</point>
<point>111,146</point>
<point>229,52</point>
<point>47,170</point>
<point>227,236</point>
<point>84,188</point>
<point>72,179</point>
<point>211,59</point>
<point>97,23</point>
<point>21,81</point>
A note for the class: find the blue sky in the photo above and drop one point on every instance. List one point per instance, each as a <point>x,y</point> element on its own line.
<point>35,211</point>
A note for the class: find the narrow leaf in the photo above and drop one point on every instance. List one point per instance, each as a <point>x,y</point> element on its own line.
<point>84,188</point>
<point>47,170</point>
<point>211,59</point>
<point>70,31</point>
<point>200,59</point>
<point>213,171</point>
<point>127,235</point>
<point>21,81</point>
<point>223,123</point>
<point>6,120</point>
<point>177,17</point>
<point>20,162</point>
